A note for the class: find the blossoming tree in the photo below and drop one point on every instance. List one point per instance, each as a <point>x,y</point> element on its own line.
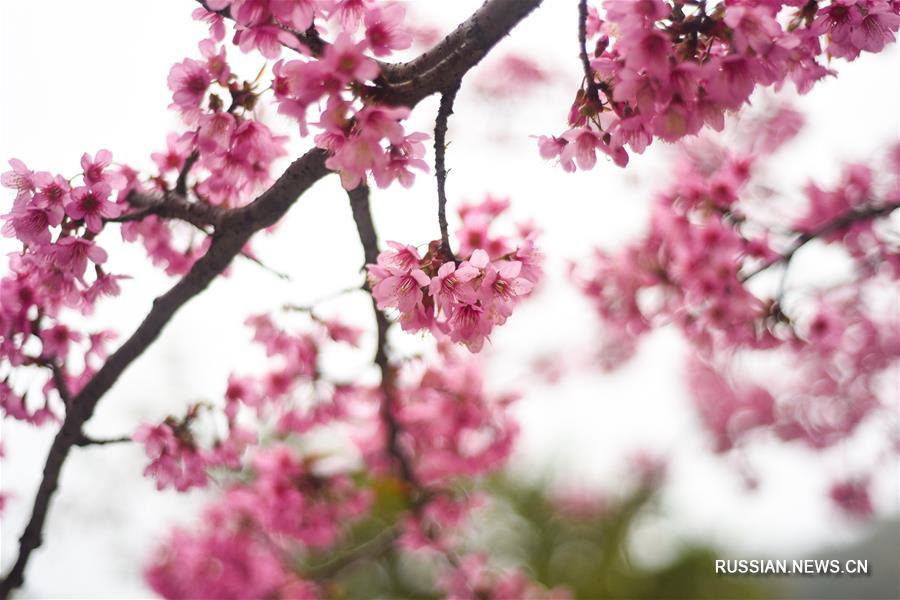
<point>426,429</point>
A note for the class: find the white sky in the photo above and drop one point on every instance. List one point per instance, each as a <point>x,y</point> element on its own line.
<point>80,76</point>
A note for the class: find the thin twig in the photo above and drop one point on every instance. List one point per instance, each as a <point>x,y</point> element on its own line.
<point>593,91</point>
<point>440,170</point>
<point>181,182</point>
<point>85,440</point>
<point>264,266</point>
<point>359,203</point>
<point>306,308</point>
<point>310,39</point>
<point>370,550</point>
<point>59,380</point>
<point>137,215</point>
<point>848,218</point>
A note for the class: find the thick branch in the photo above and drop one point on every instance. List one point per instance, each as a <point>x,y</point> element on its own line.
<point>440,168</point>
<point>446,63</point>
<point>406,84</point>
<point>237,228</point>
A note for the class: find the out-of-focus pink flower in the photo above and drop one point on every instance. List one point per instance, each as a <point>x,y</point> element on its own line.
<point>385,31</point>
<point>189,81</point>
<point>852,497</point>
<point>346,59</point>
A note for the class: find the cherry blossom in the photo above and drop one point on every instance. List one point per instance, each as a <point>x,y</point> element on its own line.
<point>666,70</point>
<point>463,300</point>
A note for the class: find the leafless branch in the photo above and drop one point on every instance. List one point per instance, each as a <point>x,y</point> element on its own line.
<point>848,218</point>
<point>173,206</point>
<point>181,182</point>
<point>440,169</point>
<point>85,440</point>
<point>359,203</point>
<point>593,92</point>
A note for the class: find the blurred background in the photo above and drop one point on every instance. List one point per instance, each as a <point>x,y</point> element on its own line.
<point>83,76</point>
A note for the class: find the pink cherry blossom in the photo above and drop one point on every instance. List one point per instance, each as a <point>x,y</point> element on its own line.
<point>852,496</point>
<point>91,204</point>
<point>346,60</point>
<point>462,301</point>
<point>384,29</point>
<point>21,178</point>
<point>96,170</point>
<point>189,81</point>
<point>71,255</point>
<point>31,224</point>
<point>172,159</point>
<point>56,340</point>
<point>298,14</point>
<point>400,288</point>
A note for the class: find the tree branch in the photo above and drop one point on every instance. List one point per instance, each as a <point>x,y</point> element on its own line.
<point>359,203</point>
<point>85,440</point>
<point>173,206</point>
<point>848,218</point>
<point>238,227</point>
<point>593,91</point>
<point>437,69</point>
<point>440,148</point>
<point>181,182</point>
<point>59,380</point>
<point>406,84</point>
<point>370,550</point>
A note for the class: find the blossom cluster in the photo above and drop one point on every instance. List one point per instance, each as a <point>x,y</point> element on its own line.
<point>267,25</point>
<point>449,426</point>
<point>232,146</point>
<point>250,535</point>
<point>360,136</point>
<point>701,266</point>
<point>224,159</point>
<point>60,267</point>
<point>295,393</point>
<point>176,457</point>
<point>464,298</point>
<point>292,501</point>
<point>476,579</point>
<point>665,69</point>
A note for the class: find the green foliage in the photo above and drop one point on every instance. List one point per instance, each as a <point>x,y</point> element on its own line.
<point>583,551</point>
